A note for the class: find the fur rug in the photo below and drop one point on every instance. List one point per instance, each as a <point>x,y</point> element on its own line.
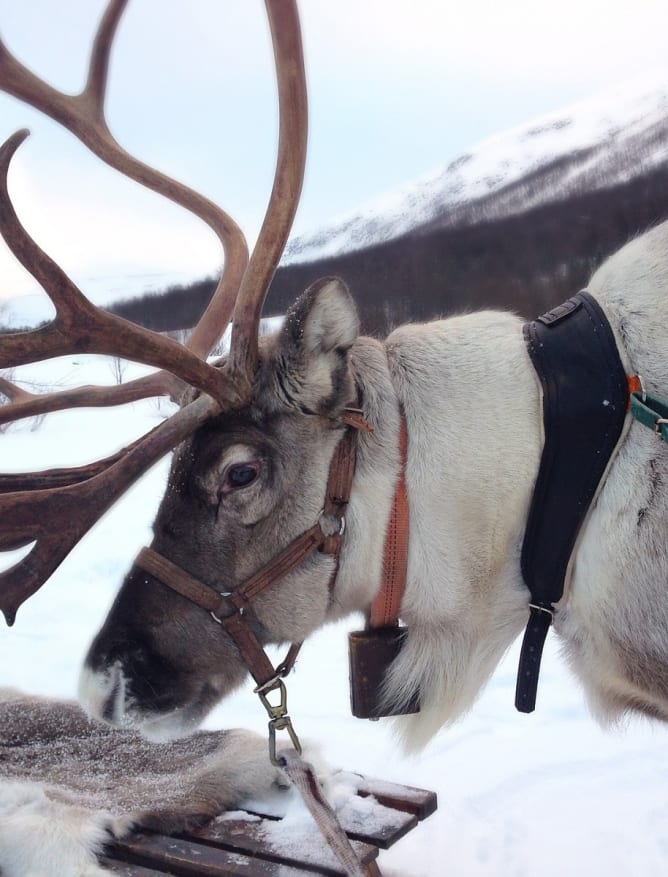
<point>68,785</point>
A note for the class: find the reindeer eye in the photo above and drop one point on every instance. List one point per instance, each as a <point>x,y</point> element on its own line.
<point>241,475</point>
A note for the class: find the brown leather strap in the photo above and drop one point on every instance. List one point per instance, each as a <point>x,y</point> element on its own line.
<point>386,607</point>
<point>289,661</point>
<point>339,487</point>
<point>178,579</point>
<point>355,417</point>
<point>236,625</point>
<point>251,650</point>
<point>288,559</point>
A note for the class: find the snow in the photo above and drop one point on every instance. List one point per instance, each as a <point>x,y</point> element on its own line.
<point>548,794</point>
<point>34,308</point>
<point>596,136</point>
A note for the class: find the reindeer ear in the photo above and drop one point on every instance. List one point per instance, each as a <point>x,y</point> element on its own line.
<point>324,318</point>
<point>318,332</point>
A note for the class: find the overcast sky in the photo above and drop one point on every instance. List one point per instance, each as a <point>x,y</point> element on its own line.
<point>396,88</point>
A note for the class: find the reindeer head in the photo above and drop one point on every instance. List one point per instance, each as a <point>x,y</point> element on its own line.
<point>241,489</point>
<point>254,437</point>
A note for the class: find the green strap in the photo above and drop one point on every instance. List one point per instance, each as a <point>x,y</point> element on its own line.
<point>651,412</point>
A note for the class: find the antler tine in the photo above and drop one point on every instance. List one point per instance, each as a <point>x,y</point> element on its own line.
<point>217,315</point>
<point>14,393</point>
<point>27,515</point>
<point>80,326</point>
<point>288,179</point>
<point>24,404</point>
<point>98,67</point>
<point>16,482</point>
<point>83,115</point>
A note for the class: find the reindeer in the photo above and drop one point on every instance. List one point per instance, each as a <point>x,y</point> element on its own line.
<point>287,456</point>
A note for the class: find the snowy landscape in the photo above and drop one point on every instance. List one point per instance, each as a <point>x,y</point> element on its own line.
<point>549,794</point>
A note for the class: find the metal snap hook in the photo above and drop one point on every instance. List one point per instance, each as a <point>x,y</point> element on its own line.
<point>279,720</point>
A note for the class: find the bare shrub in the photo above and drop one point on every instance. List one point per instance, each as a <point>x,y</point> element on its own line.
<point>8,375</point>
<point>118,368</point>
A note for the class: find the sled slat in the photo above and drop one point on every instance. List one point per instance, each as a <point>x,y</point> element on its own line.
<point>381,826</point>
<point>125,870</point>
<point>184,858</point>
<point>407,799</point>
<point>261,839</point>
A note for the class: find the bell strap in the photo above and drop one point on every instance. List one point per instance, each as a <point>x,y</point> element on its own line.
<point>386,606</point>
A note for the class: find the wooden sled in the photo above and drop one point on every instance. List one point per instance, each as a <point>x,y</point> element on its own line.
<point>253,845</point>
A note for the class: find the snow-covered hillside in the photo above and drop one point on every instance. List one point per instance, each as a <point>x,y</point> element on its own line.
<point>595,143</point>
<point>30,310</point>
<point>549,794</point>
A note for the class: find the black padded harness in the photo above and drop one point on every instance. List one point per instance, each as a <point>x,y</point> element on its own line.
<point>585,401</point>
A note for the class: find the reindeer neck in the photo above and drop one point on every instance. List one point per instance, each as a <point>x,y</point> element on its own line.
<point>474,435</point>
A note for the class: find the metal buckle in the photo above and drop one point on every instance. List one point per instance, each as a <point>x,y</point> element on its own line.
<point>279,720</point>
<point>342,523</point>
<point>213,614</point>
<point>544,609</point>
<point>658,424</point>
<point>643,390</point>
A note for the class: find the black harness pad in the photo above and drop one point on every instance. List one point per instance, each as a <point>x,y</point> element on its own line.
<point>585,400</point>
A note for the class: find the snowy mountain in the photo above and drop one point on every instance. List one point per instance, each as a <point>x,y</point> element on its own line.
<point>518,221</point>
<point>596,143</point>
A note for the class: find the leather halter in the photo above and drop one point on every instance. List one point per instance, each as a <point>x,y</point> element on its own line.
<point>232,609</point>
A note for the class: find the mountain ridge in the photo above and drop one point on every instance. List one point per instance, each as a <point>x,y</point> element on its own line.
<point>515,222</point>
<point>595,143</point>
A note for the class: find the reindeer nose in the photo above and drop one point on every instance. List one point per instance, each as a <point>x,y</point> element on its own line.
<point>102,693</point>
<point>113,706</point>
<point>124,676</point>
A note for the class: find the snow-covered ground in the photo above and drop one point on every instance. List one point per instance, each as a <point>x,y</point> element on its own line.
<point>519,796</point>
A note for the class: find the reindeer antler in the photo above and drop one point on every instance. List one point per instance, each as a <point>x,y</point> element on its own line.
<point>286,36</point>
<point>29,503</point>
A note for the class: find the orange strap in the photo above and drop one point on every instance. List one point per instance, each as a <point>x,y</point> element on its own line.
<point>635,386</point>
<point>387,604</point>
